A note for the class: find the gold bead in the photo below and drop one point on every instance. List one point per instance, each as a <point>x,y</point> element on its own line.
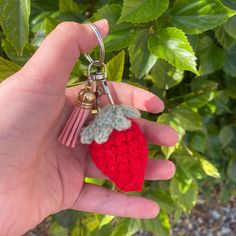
<point>89,97</point>
<point>86,98</point>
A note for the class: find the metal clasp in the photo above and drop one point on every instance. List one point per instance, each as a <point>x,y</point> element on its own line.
<point>100,77</point>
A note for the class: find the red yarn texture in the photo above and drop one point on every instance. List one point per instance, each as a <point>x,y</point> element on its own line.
<point>123,158</point>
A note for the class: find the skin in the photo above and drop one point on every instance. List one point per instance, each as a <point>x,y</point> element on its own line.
<point>38,175</point>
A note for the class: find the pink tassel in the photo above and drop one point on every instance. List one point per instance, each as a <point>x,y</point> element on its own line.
<point>78,117</point>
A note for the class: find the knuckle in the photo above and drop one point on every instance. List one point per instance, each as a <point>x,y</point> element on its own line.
<point>68,27</point>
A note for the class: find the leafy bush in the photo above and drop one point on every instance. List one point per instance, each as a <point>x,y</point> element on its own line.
<point>182,50</point>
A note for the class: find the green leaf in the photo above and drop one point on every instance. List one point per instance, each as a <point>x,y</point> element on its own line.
<point>7,68</point>
<point>79,229</point>
<point>11,53</point>
<point>126,227</point>
<point>38,28</point>
<point>91,222</point>
<point>230,27</point>
<point>189,163</point>
<point>230,3</point>
<point>66,218</point>
<point>141,59</point>
<point>195,17</point>
<point>115,67</point>
<point>165,75</point>
<point>184,191</point>
<point>163,198</point>
<point>223,38</point>
<point>121,35</point>
<point>57,230</point>
<point>230,65</point>
<point>204,91</point>
<point>201,85</point>
<point>199,99</point>
<point>158,226</point>
<point>168,118</point>
<point>109,11</point>
<point>136,11</point>
<point>194,40</point>
<point>186,118</point>
<point>68,6</point>
<point>103,231</point>
<point>211,57</point>
<point>167,151</point>
<point>50,24</point>
<point>226,135</point>
<point>230,87</point>
<point>172,45</point>
<point>209,168</point>
<point>231,170</point>
<point>222,103</point>
<point>14,20</point>
<point>198,141</point>
<point>106,219</point>
<point>92,180</point>
<point>38,6</point>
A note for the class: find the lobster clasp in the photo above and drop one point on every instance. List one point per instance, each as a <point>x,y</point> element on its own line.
<point>101,84</point>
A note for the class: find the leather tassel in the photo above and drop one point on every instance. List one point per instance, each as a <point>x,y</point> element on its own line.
<point>84,103</point>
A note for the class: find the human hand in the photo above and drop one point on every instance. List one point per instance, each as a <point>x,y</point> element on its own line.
<point>38,175</point>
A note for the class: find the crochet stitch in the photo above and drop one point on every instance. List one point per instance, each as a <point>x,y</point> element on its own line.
<point>118,147</point>
<point>106,121</point>
<point>123,158</point>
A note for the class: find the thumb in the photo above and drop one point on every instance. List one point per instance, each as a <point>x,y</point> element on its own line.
<point>55,58</point>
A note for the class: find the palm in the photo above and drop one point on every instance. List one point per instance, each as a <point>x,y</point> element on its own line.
<point>39,176</point>
<point>51,173</point>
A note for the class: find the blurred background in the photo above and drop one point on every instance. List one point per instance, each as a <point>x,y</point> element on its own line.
<point>185,52</point>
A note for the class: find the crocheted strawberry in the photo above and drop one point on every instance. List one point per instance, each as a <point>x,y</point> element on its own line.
<point>118,147</point>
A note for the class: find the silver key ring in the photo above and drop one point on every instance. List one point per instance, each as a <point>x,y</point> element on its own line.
<point>100,43</point>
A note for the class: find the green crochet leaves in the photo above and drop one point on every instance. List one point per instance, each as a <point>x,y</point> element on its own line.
<point>106,121</point>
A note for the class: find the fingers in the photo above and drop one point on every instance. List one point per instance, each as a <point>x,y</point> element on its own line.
<point>55,58</point>
<point>159,134</point>
<point>127,94</point>
<point>141,99</point>
<point>159,170</point>
<point>156,170</point>
<point>155,133</point>
<point>98,199</point>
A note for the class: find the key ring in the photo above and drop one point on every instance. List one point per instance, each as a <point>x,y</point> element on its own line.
<point>100,43</point>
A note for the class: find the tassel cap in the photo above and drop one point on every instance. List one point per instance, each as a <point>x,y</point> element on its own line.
<point>86,98</point>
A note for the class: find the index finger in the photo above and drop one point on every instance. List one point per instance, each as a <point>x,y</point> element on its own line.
<point>54,60</point>
<point>124,93</point>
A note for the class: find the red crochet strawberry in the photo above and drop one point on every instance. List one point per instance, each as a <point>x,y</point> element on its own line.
<point>118,147</point>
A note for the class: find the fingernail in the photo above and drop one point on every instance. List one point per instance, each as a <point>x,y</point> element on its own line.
<point>102,23</point>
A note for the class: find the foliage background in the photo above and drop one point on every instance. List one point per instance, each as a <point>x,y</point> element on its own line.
<point>182,50</point>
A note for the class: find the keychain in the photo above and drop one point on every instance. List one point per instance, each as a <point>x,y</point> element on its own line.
<point>116,144</point>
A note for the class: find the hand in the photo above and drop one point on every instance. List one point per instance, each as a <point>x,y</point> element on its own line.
<point>38,175</point>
